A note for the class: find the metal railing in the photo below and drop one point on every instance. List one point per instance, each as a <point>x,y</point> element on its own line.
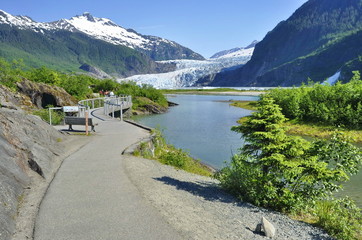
<point>109,104</point>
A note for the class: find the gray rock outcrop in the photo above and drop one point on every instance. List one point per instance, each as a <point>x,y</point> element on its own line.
<point>28,149</point>
<point>42,94</point>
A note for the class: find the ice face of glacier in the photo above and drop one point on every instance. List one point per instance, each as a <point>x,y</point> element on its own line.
<point>189,71</point>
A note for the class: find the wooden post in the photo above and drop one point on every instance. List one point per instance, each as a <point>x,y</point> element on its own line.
<point>86,123</point>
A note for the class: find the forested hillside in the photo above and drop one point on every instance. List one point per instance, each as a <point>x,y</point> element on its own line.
<point>318,40</point>
<point>67,51</point>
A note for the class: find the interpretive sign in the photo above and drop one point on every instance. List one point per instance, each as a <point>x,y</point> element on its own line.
<point>70,109</point>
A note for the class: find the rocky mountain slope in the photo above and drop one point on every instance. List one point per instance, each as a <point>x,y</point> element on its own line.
<point>69,43</point>
<point>319,39</point>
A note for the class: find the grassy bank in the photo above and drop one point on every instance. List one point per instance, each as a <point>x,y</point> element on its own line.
<point>249,105</point>
<point>167,154</point>
<point>318,131</point>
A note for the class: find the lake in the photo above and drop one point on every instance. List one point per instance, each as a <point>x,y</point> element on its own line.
<point>201,125</point>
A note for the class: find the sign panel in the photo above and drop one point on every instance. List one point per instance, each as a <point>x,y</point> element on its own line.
<point>70,109</point>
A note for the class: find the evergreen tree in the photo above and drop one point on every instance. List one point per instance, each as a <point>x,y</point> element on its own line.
<point>283,172</point>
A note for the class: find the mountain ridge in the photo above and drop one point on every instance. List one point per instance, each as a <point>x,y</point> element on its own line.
<point>248,50</point>
<point>108,31</point>
<point>318,30</point>
<point>66,45</point>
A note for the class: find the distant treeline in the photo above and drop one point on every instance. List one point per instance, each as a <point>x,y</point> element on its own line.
<point>339,105</point>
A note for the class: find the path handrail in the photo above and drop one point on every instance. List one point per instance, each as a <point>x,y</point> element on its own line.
<point>110,104</point>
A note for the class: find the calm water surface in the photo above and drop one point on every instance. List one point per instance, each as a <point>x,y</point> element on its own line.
<point>201,124</point>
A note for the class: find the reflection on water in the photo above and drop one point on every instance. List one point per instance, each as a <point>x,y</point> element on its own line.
<point>201,124</point>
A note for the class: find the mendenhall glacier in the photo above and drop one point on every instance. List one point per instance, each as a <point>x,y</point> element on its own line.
<point>188,72</point>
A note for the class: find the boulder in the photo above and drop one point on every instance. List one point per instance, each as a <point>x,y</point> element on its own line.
<point>269,229</point>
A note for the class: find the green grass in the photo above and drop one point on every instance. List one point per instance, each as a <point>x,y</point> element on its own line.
<point>339,217</point>
<point>320,131</point>
<point>250,105</point>
<point>167,154</point>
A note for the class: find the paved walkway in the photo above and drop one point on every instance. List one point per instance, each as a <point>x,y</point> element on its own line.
<point>92,198</point>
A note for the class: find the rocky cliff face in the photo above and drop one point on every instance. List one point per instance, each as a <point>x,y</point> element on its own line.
<point>28,149</point>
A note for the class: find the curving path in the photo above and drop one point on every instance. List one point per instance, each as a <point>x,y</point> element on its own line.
<point>91,197</point>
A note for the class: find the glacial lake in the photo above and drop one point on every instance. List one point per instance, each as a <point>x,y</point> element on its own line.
<point>201,125</point>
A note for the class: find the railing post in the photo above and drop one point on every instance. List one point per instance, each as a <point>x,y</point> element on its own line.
<point>50,117</point>
<point>121,111</point>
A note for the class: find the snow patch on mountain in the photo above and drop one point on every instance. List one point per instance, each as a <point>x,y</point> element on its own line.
<point>240,52</point>
<point>333,79</point>
<point>236,52</point>
<point>23,22</point>
<point>99,28</point>
<point>106,30</point>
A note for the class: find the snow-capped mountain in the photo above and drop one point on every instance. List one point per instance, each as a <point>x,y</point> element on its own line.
<point>236,52</point>
<point>105,29</point>
<point>188,72</point>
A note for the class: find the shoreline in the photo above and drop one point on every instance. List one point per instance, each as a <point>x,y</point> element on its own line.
<point>129,150</point>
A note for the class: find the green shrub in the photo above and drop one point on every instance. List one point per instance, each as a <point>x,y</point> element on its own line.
<point>57,116</point>
<point>10,73</point>
<point>340,217</point>
<point>146,91</point>
<point>339,105</point>
<point>283,172</point>
<point>289,174</point>
<point>177,158</point>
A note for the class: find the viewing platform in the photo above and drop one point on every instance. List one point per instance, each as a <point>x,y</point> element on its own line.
<point>113,107</point>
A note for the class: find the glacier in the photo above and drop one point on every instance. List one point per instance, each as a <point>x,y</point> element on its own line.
<point>189,71</point>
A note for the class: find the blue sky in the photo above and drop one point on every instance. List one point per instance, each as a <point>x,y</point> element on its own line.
<point>205,26</point>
